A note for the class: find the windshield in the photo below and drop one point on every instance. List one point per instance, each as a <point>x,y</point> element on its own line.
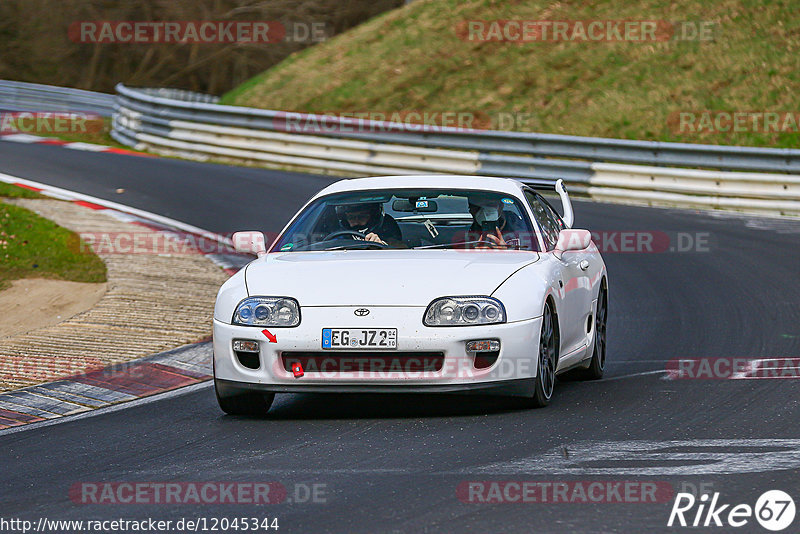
<point>411,219</point>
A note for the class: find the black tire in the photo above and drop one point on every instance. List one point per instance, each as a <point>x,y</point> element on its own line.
<point>598,362</point>
<point>256,404</point>
<point>547,355</point>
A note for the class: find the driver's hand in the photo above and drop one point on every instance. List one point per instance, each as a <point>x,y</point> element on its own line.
<point>372,236</point>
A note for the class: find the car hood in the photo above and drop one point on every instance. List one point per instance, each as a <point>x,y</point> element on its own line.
<point>381,278</point>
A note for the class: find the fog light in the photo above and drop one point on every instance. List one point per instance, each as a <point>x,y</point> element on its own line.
<point>245,345</point>
<point>485,345</point>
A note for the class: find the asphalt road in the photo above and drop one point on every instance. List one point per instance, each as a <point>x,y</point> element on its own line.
<point>390,463</point>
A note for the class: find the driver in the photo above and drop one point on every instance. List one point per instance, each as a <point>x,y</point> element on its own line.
<point>369,219</point>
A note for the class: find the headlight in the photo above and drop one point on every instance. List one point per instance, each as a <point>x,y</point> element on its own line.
<point>464,311</point>
<point>267,311</point>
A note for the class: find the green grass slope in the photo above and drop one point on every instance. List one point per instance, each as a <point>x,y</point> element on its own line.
<point>414,59</point>
<point>32,246</point>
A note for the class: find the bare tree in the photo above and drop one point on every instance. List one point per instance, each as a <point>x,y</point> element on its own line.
<point>35,43</point>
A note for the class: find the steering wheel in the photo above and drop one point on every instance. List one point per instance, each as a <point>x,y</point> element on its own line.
<point>351,233</point>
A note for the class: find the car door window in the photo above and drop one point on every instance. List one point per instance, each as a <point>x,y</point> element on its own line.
<point>552,214</point>
<point>545,220</point>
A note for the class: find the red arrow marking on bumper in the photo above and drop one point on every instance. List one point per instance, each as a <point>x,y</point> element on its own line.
<point>272,337</point>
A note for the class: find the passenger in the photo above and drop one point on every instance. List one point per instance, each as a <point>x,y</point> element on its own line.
<point>492,226</point>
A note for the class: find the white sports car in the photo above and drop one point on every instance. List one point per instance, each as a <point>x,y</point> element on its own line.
<point>413,284</point>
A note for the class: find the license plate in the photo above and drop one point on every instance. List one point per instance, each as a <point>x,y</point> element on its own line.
<point>359,338</point>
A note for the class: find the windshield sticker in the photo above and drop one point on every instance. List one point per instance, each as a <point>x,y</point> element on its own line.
<point>287,246</point>
<point>422,203</point>
<point>508,201</point>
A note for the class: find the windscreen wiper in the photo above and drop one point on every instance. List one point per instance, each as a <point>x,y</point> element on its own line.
<point>357,245</point>
<point>448,245</point>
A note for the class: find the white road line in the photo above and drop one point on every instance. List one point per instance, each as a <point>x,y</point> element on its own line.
<point>654,458</point>
<point>21,138</point>
<point>89,147</point>
<point>65,194</point>
<point>634,375</point>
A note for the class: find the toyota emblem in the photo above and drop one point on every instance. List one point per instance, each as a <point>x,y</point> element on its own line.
<point>361,312</point>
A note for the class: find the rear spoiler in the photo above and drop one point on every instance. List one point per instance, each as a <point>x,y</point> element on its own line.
<point>559,187</point>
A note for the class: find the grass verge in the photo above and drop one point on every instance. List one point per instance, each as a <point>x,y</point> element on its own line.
<point>34,247</point>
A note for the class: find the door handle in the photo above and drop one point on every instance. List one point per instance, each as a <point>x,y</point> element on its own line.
<point>584,265</point>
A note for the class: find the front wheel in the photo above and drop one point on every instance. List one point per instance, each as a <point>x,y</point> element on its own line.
<point>256,404</point>
<point>547,359</point>
<point>598,363</point>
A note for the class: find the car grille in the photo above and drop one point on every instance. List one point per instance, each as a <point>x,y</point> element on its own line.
<point>364,361</point>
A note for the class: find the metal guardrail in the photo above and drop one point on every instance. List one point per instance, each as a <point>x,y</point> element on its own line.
<point>533,145</point>
<point>194,125</point>
<point>23,96</point>
<point>766,193</point>
<point>190,125</point>
<point>179,94</point>
<point>208,130</point>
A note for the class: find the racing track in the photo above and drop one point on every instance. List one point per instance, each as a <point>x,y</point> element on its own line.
<point>392,463</point>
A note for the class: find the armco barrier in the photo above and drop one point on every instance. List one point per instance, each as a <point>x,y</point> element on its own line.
<point>193,125</point>
<point>766,193</point>
<point>187,125</point>
<point>21,96</point>
<point>532,145</point>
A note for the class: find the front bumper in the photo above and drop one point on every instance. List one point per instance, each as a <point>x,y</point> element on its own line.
<point>517,358</point>
<point>520,387</point>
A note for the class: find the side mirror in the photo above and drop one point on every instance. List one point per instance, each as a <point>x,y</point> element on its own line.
<point>571,240</point>
<point>249,243</point>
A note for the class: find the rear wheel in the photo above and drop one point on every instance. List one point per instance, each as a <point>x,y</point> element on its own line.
<point>245,403</point>
<point>547,359</point>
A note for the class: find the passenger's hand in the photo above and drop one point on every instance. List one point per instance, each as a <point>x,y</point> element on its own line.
<point>496,239</point>
<point>372,236</point>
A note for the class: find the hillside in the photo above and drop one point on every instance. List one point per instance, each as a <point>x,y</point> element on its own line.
<point>421,58</point>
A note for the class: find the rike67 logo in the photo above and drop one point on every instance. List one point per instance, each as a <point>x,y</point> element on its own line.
<point>774,510</point>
